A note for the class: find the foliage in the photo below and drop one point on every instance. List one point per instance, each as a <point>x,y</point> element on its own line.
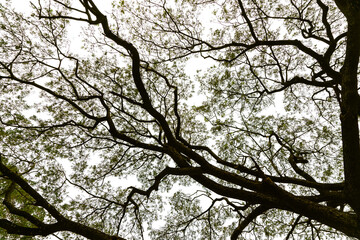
<point>182,119</point>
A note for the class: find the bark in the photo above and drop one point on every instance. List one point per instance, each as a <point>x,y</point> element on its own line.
<point>349,107</point>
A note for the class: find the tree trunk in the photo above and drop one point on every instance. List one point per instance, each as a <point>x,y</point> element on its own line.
<point>349,111</point>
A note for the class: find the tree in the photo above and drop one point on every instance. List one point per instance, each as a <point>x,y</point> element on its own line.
<point>121,106</point>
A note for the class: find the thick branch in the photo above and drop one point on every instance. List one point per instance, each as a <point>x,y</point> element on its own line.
<point>243,224</point>
<point>63,224</point>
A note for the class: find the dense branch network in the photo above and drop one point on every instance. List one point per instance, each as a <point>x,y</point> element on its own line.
<point>139,115</point>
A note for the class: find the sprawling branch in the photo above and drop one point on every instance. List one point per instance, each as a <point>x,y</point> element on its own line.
<point>137,120</point>
<point>62,224</point>
<point>266,192</point>
<point>243,224</point>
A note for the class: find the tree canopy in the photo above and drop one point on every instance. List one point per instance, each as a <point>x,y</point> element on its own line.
<point>180,119</point>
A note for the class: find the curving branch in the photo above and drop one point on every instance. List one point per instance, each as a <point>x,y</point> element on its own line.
<point>251,217</point>
<point>42,229</point>
<point>202,164</point>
